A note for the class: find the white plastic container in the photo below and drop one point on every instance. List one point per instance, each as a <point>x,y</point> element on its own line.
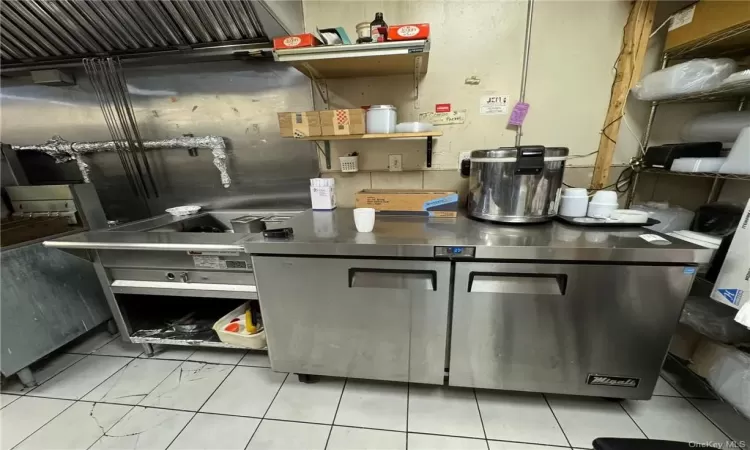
<point>364,219</point>
<point>672,218</point>
<point>629,216</point>
<point>381,119</point>
<point>349,163</point>
<point>697,164</point>
<point>256,341</point>
<point>574,202</point>
<point>738,161</point>
<point>183,210</point>
<point>414,127</point>
<point>602,205</point>
<point>323,194</point>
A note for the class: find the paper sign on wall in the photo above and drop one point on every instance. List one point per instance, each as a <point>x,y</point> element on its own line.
<point>443,118</point>
<point>493,104</point>
<point>682,18</point>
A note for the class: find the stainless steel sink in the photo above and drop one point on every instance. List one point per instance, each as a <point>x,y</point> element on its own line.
<point>205,222</point>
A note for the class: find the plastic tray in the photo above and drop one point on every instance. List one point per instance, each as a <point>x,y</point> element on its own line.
<point>255,341</point>
<point>602,223</point>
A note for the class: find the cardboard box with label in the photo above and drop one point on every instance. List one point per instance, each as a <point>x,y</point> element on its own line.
<point>409,32</point>
<point>299,124</point>
<point>733,283</point>
<point>409,202</point>
<point>708,18</point>
<point>335,122</point>
<point>296,41</point>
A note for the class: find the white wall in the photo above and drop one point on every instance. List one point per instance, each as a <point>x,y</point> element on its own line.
<point>574,46</point>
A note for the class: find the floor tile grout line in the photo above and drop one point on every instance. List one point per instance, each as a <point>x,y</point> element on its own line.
<point>479,410</point>
<point>565,435</point>
<point>267,409</point>
<point>631,418</point>
<point>77,362</point>
<point>341,396</point>
<point>45,423</point>
<point>708,418</point>
<point>50,378</point>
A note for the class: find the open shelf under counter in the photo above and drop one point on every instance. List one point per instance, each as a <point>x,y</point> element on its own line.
<point>212,342</point>
<point>359,60</point>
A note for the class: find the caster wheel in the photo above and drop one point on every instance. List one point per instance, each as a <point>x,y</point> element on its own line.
<point>307,379</point>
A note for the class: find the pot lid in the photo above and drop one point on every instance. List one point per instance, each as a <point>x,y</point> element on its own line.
<point>512,152</point>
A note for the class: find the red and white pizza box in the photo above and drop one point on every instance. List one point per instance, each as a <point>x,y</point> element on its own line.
<point>296,41</point>
<point>409,32</point>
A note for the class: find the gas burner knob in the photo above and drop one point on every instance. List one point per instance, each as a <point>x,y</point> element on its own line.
<point>184,277</point>
<point>170,276</point>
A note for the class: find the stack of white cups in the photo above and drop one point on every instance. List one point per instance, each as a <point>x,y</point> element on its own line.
<point>574,202</point>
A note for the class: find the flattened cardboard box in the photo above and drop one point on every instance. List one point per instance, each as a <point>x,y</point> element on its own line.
<point>732,286</point>
<point>299,124</point>
<point>409,202</point>
<point>342,121</point>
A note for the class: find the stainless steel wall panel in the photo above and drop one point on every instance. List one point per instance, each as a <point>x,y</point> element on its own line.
<point>71,26</point>
<point>232,99</point>
<point>144,21</point>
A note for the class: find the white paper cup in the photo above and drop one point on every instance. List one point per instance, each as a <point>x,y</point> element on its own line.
<point>364,219</point>
<point>573,206</point>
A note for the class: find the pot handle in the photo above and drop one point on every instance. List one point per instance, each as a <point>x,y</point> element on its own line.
<point>465,167</point>
<point>530,160</point>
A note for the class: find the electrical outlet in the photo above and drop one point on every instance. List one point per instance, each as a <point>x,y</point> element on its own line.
<point>461,157</point>
<point>394,163</point>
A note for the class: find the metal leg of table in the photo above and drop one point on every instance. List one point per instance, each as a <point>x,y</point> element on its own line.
<point>27,377</point>
<point>149,349</point>
<point>112,327</point>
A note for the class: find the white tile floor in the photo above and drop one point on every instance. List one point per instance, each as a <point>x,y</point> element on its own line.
<point>104,393</point>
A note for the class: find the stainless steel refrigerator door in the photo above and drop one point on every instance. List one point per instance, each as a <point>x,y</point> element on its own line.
<point>600,330</point>
<point>376,319</point>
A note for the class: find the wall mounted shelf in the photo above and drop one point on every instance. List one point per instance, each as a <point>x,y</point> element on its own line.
<point>359,60</point>
<point>327,141</point>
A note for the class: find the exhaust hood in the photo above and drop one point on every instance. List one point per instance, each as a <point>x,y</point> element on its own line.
<point>39,34</point>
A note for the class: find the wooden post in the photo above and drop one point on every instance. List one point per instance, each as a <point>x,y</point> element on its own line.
<point>629,65</point>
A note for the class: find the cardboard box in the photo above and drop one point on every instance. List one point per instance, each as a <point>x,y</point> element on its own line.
<point>299,124</point>
<point>342,121</point>
<point>409,32</point>
<point>707,18</point>
<point>733,283</point>
<point>409,202</point>
<point>296,41</point>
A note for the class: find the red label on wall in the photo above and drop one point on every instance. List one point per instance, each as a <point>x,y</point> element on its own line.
<point>443,107</point>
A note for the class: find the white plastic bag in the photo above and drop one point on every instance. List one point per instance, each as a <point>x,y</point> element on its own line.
<point>672,218</point>
<point>722,126</point>
<point>689,77</point>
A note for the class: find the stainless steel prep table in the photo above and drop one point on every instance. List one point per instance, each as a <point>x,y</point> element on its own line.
<point>546,308</point>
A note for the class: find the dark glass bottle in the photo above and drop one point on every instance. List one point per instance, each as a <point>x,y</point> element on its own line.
<point>379,29</point>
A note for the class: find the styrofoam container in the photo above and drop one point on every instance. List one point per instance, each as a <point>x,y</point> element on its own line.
<point>697,164</point>
<point>185,210</point>
<point>414,127</point>
<point>256,341</point>
<point>629,216</point>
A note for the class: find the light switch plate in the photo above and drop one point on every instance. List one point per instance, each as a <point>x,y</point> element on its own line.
<point>394,163</point>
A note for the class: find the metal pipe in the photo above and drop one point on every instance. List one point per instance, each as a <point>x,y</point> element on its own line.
<point>162,21</point>
<point>88,17</point>
<point>145,23</point>
<point>186,10</point>
<point>179,21</point>
<point>130,24</point>
<point>207,14</point>
<point>10,30</point>
<point>644,141</point>
<point>64,151</point>
<point>16,46</point>
<point>525,70</point>
<point>23,28</point>
<point>59,30</point>
<point>241,16</point>
<point>55,10</point>
<point>113,23</point>
<point>224,16</point>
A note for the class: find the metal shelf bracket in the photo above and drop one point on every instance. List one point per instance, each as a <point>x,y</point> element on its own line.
<point>326,151</point>
<point>429,151</point>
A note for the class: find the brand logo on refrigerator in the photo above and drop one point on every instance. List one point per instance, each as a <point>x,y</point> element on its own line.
<point>606,380</point>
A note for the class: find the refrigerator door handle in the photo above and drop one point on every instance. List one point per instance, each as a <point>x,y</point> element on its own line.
<point>518,283</point>
<point>393,279</point>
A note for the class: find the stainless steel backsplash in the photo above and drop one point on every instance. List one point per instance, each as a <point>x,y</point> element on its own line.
<point>236,100</point>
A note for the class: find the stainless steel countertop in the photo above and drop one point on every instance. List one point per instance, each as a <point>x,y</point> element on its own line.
<point>332,233</point>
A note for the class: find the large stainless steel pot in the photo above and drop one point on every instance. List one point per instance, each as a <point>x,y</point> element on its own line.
<point>516,184</point>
